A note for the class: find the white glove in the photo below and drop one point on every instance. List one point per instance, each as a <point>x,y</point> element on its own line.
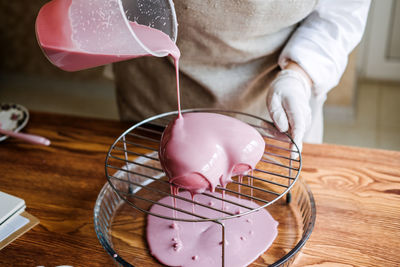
<point>288,105</point>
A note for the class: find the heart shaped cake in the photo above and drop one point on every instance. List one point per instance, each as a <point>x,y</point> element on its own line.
<point>199,151</point>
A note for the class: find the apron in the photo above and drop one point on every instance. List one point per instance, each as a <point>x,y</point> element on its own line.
<point>229,54</point>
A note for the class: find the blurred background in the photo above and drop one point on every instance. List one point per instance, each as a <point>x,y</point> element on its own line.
<point>364,110</point>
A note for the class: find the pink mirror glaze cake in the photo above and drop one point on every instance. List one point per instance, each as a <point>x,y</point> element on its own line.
<point>200,151</point>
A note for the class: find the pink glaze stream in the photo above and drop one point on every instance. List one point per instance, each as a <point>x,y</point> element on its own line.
<point>76,36</point>
<point>203,150</point>
<point>81,34</point>
<point>198,244</point>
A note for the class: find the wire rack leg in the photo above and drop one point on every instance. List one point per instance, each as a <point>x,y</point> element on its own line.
<point>222,243</point>
<point>130,189</point>
<point>289,194</point>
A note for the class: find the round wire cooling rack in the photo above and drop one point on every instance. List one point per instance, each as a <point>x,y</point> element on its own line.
<point>145,182</point>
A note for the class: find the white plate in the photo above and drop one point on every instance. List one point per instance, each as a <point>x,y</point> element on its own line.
<point>13,117</point>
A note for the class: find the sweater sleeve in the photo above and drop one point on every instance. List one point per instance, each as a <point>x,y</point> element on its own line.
<point>323,41</point>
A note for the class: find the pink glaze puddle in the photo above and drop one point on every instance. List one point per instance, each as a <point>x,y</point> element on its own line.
<point>198,244</point>
<point>202,150</point>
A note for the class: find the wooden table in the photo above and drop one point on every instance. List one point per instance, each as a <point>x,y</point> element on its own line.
<point>357,193</point>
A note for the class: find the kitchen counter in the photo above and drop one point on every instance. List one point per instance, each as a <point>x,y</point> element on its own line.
<point>356,190</point>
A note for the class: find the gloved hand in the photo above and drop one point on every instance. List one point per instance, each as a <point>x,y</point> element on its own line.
<point>288,104</point>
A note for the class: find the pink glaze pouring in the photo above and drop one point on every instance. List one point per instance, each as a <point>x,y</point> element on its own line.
<point>81,34</point>
<point>198,151</point>
<point>199,244</point>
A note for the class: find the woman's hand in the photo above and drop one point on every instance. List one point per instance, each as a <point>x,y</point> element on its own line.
<point>288,102</point>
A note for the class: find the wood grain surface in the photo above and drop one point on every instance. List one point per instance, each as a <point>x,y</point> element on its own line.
<point>357,193</point>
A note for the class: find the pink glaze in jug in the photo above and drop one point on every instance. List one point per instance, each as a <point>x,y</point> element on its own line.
<point>81,34</point>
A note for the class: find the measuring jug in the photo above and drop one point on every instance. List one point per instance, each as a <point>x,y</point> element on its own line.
<point>81,34</point>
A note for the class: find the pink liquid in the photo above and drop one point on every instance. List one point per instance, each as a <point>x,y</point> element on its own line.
<point>250,183</point>
<point>199,244</point>
<point>199,151</point>
<point>202,150</point>
<point>174,192</point>
<point>76,36</point>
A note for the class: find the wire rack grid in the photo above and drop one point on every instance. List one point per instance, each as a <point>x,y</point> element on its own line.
<point>146,182</point>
